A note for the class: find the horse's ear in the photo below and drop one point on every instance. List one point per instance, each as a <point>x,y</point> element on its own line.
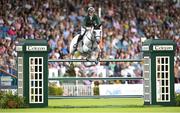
<point>98,26</point>
<point>92,29</point>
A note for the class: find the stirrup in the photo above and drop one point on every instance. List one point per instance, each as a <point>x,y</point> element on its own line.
<point>75,46</point>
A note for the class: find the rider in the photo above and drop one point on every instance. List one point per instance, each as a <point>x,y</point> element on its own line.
<point>90,20</point>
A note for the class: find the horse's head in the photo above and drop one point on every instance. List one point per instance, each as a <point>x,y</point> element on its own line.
<point>89,35</point>
<point>95,34</point>
<point>89,40</point>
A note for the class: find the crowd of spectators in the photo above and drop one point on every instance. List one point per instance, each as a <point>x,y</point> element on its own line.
<point>125,24</point>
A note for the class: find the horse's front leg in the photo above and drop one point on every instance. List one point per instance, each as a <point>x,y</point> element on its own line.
<point>88,57</point>
<point>97,58</point>
<point>98,54</point>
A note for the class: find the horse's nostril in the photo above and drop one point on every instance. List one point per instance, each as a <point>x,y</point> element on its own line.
<point>98,41</point>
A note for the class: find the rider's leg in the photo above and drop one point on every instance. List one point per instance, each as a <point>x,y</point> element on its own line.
<point>79,39</point>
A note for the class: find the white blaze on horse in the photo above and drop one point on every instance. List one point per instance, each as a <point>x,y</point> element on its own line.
<point>88,47</point>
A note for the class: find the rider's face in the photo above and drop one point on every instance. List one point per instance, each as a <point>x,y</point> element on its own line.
<point>91,13</point>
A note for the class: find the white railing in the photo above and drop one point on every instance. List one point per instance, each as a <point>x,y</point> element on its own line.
<point>77,90</point>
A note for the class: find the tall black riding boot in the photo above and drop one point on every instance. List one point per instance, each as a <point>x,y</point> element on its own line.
<point>79,39</point>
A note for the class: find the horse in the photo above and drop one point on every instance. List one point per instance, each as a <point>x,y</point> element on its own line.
<point>88,47</point>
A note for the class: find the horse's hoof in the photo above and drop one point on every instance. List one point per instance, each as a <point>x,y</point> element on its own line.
<point>87,59</point>
<point>96,62</point>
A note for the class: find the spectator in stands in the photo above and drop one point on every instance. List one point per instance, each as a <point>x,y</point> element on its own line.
<point>177,71</point>
<point>2,48</point>
<point>117,70</point>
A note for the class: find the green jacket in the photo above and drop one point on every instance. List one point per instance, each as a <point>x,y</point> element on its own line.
<point>95,21</point>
